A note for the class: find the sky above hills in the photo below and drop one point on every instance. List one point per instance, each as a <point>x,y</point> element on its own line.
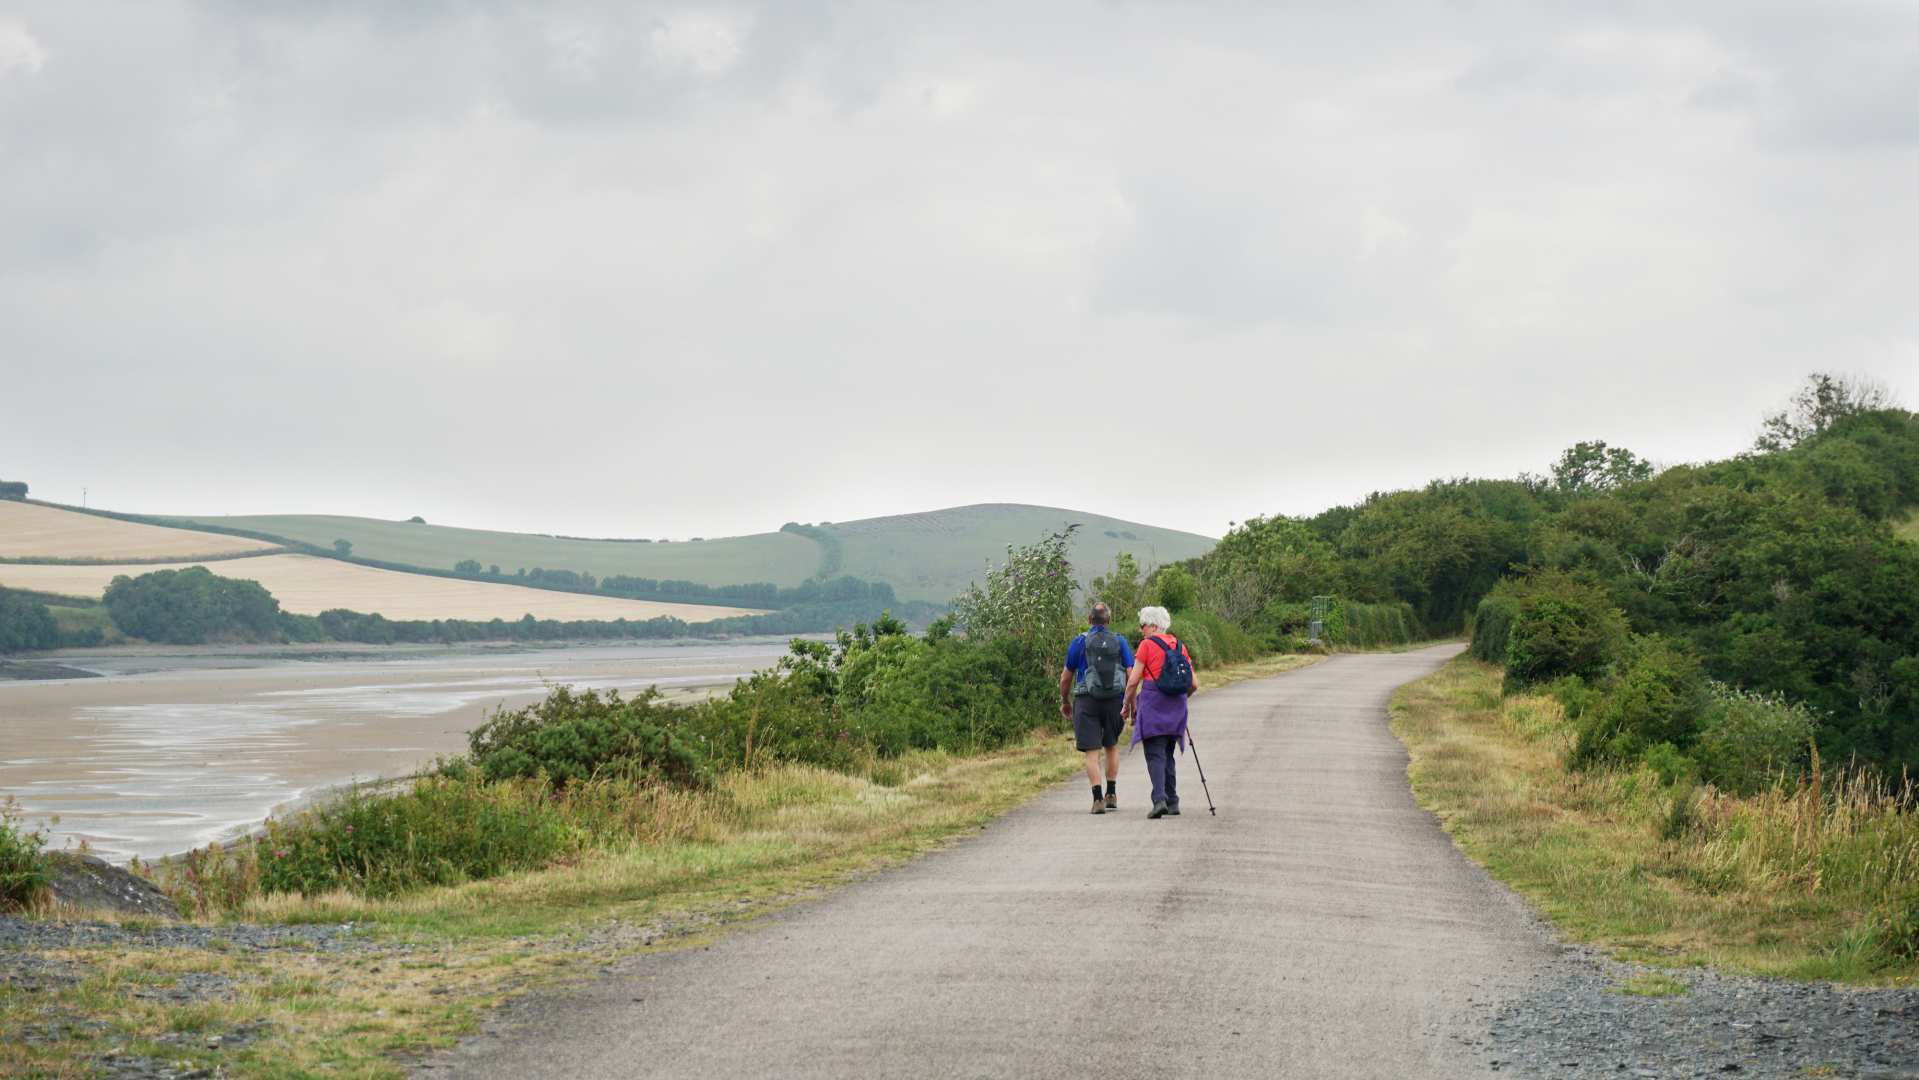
<point>698,269</point>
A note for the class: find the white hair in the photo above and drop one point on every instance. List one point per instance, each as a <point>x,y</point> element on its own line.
<point>1156,616</point>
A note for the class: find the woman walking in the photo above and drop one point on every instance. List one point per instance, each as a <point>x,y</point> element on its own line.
<point>1156,692</point>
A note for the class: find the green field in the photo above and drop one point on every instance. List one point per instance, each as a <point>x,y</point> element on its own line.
<point>928,556</point>
<point>932,556</point>
<point>780,558</point>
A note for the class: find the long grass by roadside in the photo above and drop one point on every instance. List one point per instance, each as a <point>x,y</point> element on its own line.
<point>642,867</point>
<point>1818,880</point>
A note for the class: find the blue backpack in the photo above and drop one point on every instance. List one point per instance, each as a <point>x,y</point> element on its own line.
<point>1175,677</point>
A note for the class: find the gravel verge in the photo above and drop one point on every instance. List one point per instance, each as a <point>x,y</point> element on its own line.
<point>1575,1022</point>
<point>18,935</point>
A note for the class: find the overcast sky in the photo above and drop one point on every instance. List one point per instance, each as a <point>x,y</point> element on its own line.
<point>645,270</point>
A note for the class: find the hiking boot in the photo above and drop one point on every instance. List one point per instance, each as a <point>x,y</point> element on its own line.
<point>1172,809</point>
<point>1099,806</point>
<point>1158,810</point>
<point>1112,801</point>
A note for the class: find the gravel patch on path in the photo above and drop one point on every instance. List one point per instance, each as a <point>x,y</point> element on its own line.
<point>18,935</point>
<point>1575,1022</point>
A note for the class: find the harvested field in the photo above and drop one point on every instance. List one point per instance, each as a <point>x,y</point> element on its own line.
<point>308,585</point>
<point>29,531</point>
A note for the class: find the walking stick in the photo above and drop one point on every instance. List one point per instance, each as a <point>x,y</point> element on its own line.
<point>1194,743</point>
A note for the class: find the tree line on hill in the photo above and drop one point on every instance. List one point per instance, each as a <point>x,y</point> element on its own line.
<point>194,606</point>
<point>760,594</point>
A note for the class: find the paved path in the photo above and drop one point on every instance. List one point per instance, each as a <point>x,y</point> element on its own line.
<point>1321,926</point>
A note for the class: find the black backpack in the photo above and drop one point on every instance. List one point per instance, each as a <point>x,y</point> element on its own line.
<point>1105,678</point>
<point>1176,672</point>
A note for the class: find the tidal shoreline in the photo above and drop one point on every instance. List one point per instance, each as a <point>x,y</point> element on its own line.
<point>159,751</point>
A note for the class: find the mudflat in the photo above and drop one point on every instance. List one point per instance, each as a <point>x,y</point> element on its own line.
<point>171,750</point>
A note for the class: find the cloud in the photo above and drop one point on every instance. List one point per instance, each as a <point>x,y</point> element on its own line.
<point>691,268</point>
<point>20,52</point>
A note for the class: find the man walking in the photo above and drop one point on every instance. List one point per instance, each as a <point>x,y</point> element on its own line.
<point>1092,691</point>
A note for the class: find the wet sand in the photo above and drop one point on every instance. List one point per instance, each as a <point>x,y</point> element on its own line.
<point>170,751</point>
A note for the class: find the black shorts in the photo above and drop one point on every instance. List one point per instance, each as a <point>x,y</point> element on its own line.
<point>1096,721</point>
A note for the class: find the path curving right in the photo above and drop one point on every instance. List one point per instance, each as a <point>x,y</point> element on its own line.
<point>1321,926</point>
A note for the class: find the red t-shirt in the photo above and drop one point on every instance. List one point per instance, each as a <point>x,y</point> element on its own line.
<point>1151,657</point>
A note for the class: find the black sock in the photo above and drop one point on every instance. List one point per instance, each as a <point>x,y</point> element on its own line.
<point>1112,787</point>
<point>1095,791</point>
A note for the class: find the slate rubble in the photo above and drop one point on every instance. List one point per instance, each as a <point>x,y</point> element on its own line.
<point>1575,1023</point>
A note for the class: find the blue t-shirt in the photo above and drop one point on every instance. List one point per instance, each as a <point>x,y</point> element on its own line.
<point>1076,655</point>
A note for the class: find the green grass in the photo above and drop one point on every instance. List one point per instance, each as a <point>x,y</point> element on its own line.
<point>1811,882</point>
<point>930,556</point>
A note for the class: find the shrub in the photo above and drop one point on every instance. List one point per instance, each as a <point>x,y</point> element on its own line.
<point>441,832</point>
<point>1561,626</point>
<point>1493,624</point>
<point>1747,741</point>
<point>571,737</point>
<point>23,863</point>
<point>1344,622</point>
<point>1657,696</point>
<point>1213,640</point>
<point>25,624</point>
<point>1670,763</point>
<point>961,696</point>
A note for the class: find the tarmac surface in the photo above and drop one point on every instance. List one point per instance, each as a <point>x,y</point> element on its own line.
<point>1321,925</point>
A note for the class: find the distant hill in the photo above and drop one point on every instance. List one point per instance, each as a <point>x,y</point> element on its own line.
<point>929,556</point>
<point>932,556</point>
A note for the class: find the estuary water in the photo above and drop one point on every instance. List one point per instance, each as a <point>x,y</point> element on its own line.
<point>167,751</point>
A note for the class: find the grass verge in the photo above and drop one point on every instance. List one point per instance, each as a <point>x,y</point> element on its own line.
<point>1797,882</point>
<point>431,963</point>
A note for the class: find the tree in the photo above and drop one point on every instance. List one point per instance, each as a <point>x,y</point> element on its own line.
<point>344,547</point>
<point>1028,600</point>
<point>192,606</point>
<point>1588,468</point>
<point>1121,589</point>
<point>469,566</point>
<point>13,489</point>
<point>1823,401</point>
<point>25,624</point>
<point>416,520</point>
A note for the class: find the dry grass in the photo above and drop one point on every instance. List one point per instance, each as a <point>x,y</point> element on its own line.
<point>308,585</point>
<point>1819,881</point>
<point>28,531</point>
